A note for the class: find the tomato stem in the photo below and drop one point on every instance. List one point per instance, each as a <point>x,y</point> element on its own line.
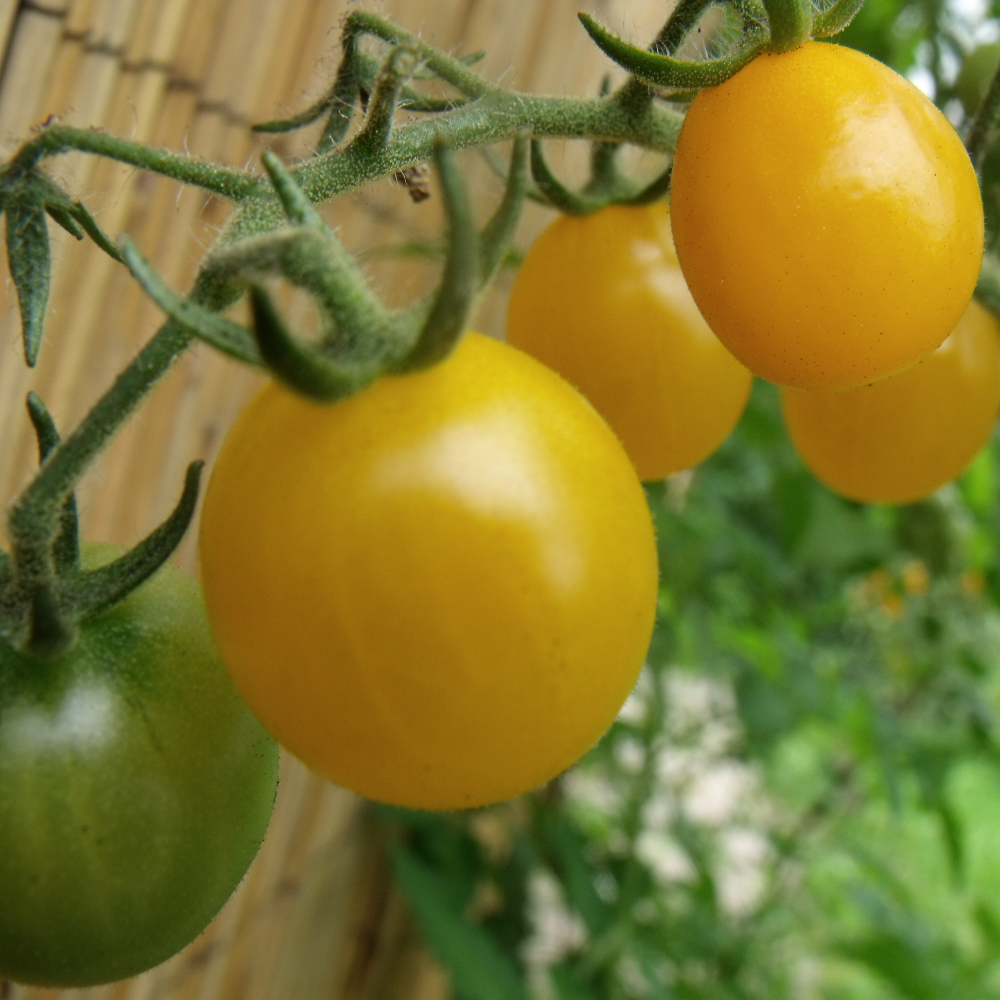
<point>790,23</point>
<point>299,365</point>
<point>671,73</point>
<point>66,548</point>
<point>221,333</point>
<point>57,139</point>
<point>93,591</point>
<point>398,66</point>
<point>556,193</point>
<point>449,312</point>
<point>497,234</point>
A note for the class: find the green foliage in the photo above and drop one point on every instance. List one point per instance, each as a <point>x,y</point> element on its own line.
<point>800,799</point>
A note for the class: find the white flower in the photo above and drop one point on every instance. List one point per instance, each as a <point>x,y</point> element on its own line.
<point>742,872</point>
<point>664,857</point>
<point>715,795</point>
<point>556,931</point>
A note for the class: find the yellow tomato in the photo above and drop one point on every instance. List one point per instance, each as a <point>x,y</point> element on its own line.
<point>439,592</point>
<point>601,300</point>
<point>900,439</point>
<point>827,218</point>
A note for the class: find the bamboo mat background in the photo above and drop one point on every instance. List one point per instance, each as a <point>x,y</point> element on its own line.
<point>317,916</point>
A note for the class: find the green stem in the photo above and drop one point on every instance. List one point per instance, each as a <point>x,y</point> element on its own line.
<point>34,518</point>
<point>493,119</point>
<point>232,184</point>
<point>497,234</point>
<point>835,18</point>
<point>790,22</point>
<point>496,118</point>
<point>556,193</point>
<point>451,70</point>
<point>984,122</point>
<point>666,71</point>
<point>398,66</point>
<point>492,115</point>
<point>450,309</point>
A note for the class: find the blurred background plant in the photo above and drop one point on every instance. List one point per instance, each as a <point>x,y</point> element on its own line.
<point>801,798</point>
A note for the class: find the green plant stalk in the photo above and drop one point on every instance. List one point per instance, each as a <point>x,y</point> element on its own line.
<point>58,139</point>
<point>494,119</point>
<point>658,70</point>
<point>790,22</point>
<point>35,518</point>
<point>498,117</point>
<point>984,122</point>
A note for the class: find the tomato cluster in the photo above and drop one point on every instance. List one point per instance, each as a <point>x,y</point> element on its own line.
<point>439,591</point>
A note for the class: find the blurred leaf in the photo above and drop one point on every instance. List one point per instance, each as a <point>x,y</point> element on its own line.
<point>896,961</point>
<point>924,531</point>
<point>30,263</point>
<point>979,482</point>
<point>569,986</point>
<point>479,970</point>
<point>566,855</point>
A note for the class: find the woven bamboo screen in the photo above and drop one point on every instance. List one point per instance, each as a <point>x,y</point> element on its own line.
<point>317,915</point>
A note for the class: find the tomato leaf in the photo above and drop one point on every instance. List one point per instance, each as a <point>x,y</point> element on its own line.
<point>576,874</point>
<point>479,969</point>
<point>30,266</point>
<point>569,985</point>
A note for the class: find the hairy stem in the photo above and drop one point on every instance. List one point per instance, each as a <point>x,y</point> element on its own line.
<point>493,119</point>
<point>232,184</point>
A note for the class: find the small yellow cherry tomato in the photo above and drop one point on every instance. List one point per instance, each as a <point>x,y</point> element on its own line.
<point>827,218</point>
<point>900,439</point>
<point>601,300</point>
<point>439,592</point>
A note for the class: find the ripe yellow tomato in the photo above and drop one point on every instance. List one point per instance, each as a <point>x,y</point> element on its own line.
<point>439,592</point>
<point>900,439</point>
<point>601,300</point>
<point>827,218</point>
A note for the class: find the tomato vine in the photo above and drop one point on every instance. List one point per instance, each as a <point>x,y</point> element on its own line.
<point>275,231</point>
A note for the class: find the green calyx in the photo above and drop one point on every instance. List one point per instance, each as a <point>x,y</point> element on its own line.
<point>361,338</point>
<point>44,592</point>
<point>765,26</point>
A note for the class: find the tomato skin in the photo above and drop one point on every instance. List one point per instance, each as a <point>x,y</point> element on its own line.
<point>439,592</point>
<point>827,218</point>
<point>601,300</point>
<point>137,789</point>
<point>900,439</point>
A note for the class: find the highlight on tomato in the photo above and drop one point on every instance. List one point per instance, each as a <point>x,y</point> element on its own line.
<point>601,300</point>
<point>436,593</point>
<point>900,439</point>
<point>827,217</point>
<point>136,790</point>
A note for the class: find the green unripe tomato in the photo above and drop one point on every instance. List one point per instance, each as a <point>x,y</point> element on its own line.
<point>974,77</point>
<point>136,790</point>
